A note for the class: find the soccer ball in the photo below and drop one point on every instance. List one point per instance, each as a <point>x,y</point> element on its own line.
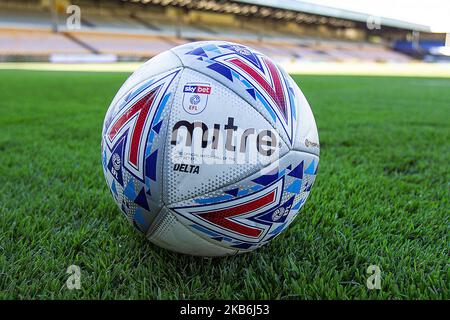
<point>210,149</point>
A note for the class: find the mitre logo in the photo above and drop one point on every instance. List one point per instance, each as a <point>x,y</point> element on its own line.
<point>223,141</point>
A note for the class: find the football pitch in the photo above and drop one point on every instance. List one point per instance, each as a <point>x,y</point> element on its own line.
<point>381,198</point>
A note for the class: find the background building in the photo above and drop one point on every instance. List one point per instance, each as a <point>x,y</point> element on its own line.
<point>127,30</point>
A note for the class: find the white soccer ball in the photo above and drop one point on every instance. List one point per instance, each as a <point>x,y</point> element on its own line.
<point>210,149</point>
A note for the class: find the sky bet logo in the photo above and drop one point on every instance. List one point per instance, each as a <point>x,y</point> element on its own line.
<point>197,89</point>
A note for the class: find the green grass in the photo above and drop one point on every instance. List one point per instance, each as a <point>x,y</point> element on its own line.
<point>381,197</point>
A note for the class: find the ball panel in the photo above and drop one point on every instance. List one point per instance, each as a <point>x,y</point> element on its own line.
<point>170,234</point>
<point>306,135</point>
<point>133,142</point>
<point>247,214</point>
<point>159,64</point>
<point>251,75</point>
<point>225,122</point>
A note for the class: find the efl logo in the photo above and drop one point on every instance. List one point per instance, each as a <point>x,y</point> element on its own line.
<point>197,89</point>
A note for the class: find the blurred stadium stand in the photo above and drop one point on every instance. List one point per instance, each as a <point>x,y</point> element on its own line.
<point>136,30</point>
